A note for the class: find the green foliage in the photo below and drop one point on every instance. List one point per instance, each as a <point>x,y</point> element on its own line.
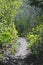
<point>0,55</point>
<point>36,39</point>
<point>31,18</point>
<point>22,26</point>
<point>7,33</point>
<point>8,10</point>
<point>37,3</point>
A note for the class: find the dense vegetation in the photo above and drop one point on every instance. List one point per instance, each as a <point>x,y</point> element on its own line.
<point>8,33</point>
<point>36,34</point>
<point>14,22</point>
<point>37,3</point>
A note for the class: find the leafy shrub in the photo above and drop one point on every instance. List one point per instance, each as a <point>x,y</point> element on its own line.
<point>36,39</point>
<point>7,33</point>
<point>8,10</point>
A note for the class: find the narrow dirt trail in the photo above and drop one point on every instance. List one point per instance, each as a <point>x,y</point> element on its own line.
<point>22,50</point>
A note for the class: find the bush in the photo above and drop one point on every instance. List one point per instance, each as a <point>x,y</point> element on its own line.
<point>36,39</point>
<point>8,10</point>
<point>7,33</point>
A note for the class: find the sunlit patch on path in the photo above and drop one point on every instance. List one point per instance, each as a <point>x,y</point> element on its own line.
<point>22,50</point>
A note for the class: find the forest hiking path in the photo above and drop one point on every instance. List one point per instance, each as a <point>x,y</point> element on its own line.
<point>22,50</point>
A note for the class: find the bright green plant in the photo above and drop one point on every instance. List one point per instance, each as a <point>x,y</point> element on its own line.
<point>8,10</point>
<point>8,33</point>
<point>36,39</point>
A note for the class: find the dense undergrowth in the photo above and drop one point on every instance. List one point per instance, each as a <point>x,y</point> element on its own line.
<point>30,27</point>
<point>8,33</point>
